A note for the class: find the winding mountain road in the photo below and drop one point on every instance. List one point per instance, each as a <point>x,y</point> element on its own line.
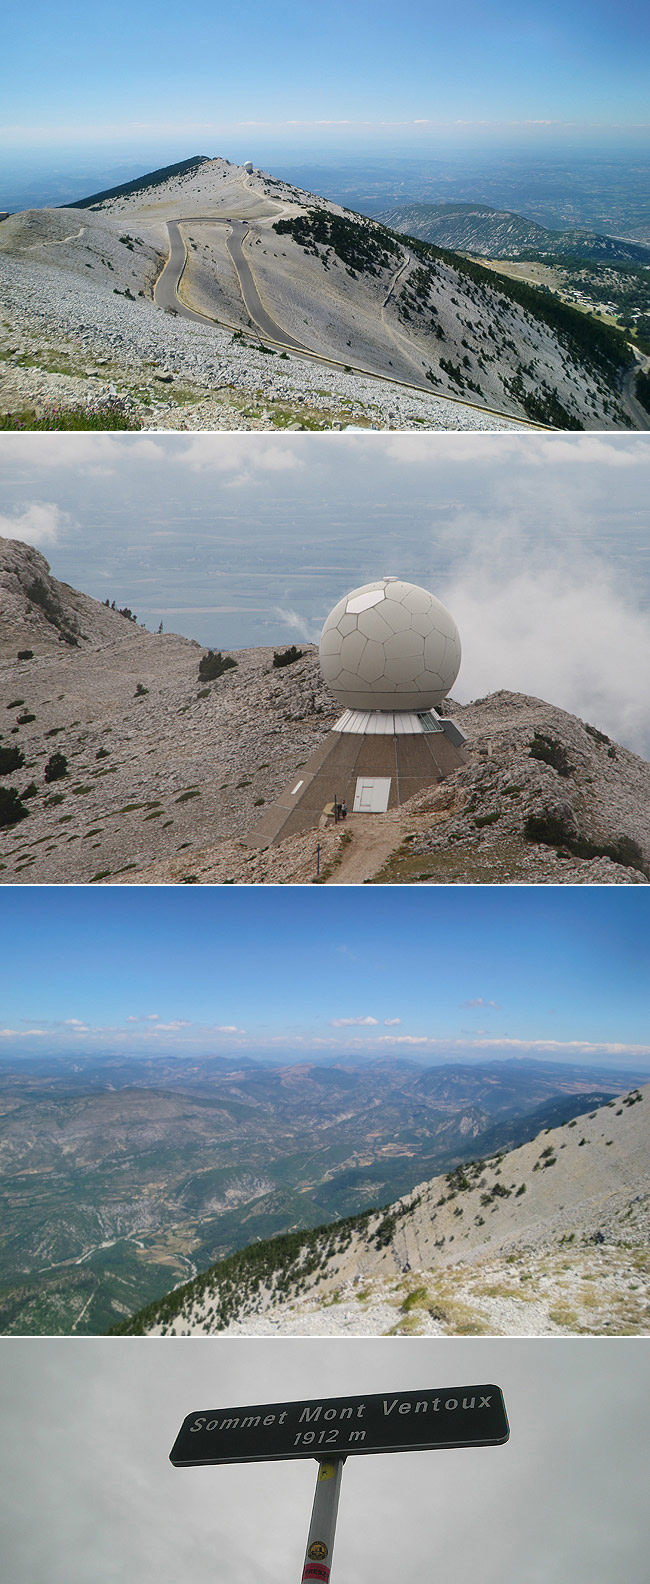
<point>166,292</point>
<point>166,296</point>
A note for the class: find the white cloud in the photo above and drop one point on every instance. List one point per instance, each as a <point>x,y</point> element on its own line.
<point>391,1022</point>
<point>565,632</point>
<point>524,1047</point>
<point>478,1001</point>
<point>22,1033</point>
<point>353,1021</point>
<point>170,1028</point>
<point>306,629</point>
<point>39,523</point>
<point>238,457</point>
<point>407,1039</point>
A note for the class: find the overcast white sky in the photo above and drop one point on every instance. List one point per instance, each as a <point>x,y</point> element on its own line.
<point>538,544</point>
<point>90,1495</point>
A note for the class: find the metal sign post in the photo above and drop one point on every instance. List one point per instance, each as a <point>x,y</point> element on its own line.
<point>322,1529</point>
<point>331,1429</point>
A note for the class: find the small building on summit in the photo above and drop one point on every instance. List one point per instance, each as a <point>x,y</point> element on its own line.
<point>389,653</point>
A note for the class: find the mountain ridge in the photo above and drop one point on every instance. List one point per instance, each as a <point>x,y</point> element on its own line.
<point>252,262</point>
<point>564,1220</point>
<point>503,233</point>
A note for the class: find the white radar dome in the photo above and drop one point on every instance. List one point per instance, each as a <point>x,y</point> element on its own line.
<point>248,167</point>
<point>389,645</point>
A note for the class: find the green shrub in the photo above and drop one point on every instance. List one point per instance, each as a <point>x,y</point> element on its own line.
<point>285,657</point>
<point>56,767</point>
<point>597,735</point>
<point>551,752</point>
<point>551,830</point>
<point>213,665</point>
<point>11,808</point>
<point>360,244</point>
<point>643,389</point>
<point>11,759</point>
<point>39,594</point>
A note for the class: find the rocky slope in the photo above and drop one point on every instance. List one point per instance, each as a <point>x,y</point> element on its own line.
<point>297,279</point>
<point>167,772</point>
<point>550,1238</point>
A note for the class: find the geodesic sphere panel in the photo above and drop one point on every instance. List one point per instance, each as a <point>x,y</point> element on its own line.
<point>390,645</point>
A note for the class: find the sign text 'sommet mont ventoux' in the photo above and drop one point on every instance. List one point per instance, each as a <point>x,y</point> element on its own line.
<point>453,1416</point>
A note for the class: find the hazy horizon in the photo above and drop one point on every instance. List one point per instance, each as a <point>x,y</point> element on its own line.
<point>559,974</point>
<point>564,175</point>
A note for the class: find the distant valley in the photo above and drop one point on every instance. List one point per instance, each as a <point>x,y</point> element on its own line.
<point>120,1179</point>
<point>546,1238</point>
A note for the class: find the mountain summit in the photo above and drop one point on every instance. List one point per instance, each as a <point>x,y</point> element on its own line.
<point>245,256</point>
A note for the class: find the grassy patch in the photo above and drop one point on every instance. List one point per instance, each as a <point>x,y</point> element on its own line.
<point>112,415</point>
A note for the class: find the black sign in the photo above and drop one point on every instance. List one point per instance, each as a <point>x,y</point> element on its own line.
<point>456,1416</point>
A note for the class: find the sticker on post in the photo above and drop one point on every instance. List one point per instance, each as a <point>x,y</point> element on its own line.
<point>317,1551</point>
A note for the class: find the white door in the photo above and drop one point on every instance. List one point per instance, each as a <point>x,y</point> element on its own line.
<point>372,794</point>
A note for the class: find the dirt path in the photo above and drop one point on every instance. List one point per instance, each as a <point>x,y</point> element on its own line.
<point>373,838</point>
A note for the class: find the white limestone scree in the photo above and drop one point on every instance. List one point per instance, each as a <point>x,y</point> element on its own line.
<point>390,645</point>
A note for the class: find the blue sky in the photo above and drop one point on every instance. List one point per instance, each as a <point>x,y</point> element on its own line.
<point>289,972</point>
<point>221,77</point>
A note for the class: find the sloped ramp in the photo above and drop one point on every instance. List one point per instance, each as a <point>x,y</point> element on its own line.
<point>411,762</point>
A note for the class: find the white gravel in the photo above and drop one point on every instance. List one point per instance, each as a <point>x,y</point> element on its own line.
<point>59,307</point>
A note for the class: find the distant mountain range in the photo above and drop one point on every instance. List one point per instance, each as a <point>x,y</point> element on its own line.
<point>548,1237</point>
<point>500,234</point>
<point>118,1181</point>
